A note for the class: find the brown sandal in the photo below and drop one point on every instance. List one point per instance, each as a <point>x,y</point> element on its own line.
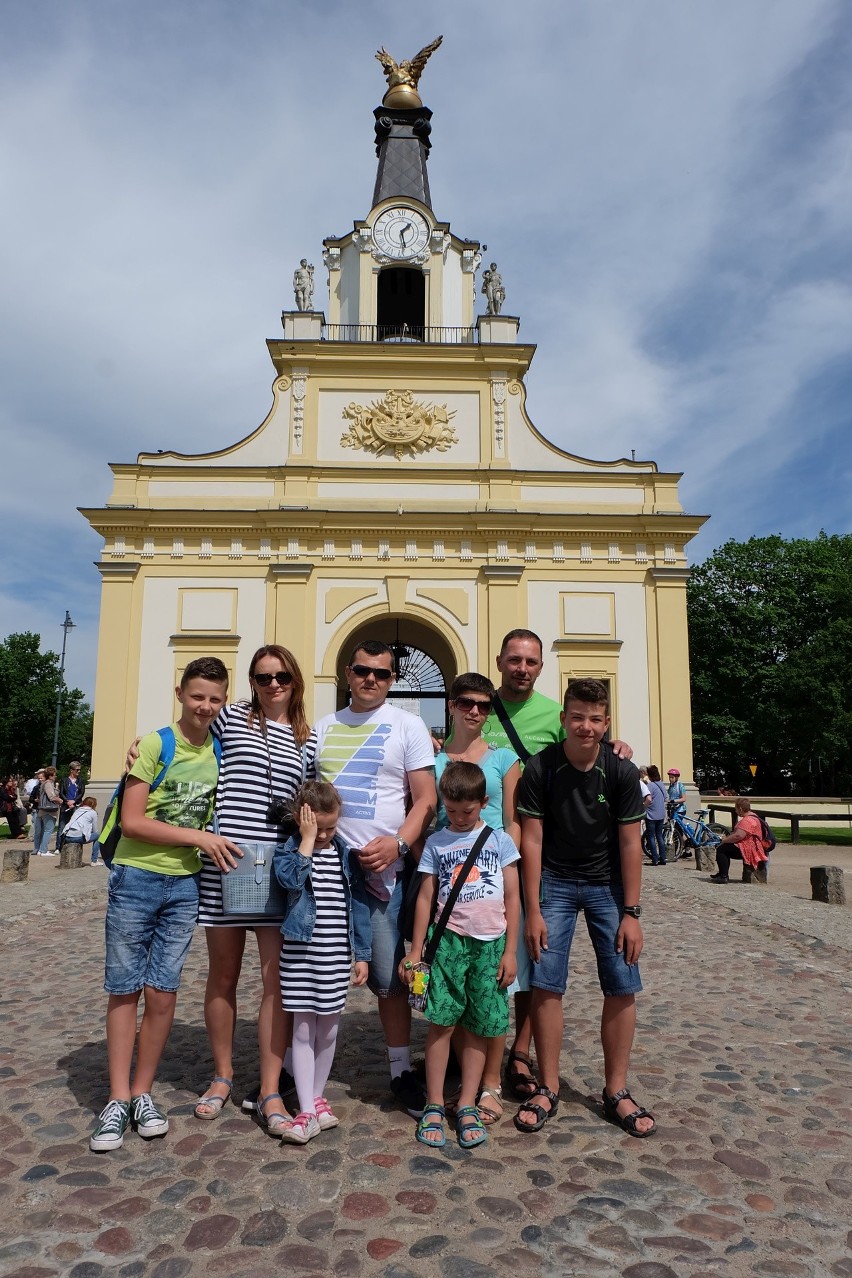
<point>521,1086</point>
<point>490,1105</point>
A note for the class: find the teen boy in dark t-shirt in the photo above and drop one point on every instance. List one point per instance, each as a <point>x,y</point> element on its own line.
<point>580,810</point>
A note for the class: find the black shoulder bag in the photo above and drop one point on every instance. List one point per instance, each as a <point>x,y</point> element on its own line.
<point>511,731</point>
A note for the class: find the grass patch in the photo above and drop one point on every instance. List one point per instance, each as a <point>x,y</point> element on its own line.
<point>833,836</point>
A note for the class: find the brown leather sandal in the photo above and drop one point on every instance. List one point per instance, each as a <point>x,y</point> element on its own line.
<point>521,1086</point>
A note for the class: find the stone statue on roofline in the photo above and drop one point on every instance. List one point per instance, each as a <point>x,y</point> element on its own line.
<point>303,285</point>
<point>492,287</point>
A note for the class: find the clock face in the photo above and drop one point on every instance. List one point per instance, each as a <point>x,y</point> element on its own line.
<point>401,233</point>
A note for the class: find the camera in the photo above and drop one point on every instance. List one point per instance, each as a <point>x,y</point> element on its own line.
<point>278,811</point>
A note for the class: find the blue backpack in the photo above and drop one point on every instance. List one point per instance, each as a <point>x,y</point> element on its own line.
<point>107,841</point>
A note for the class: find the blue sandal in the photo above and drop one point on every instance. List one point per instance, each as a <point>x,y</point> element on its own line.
<point>470,1129</point>
<point>432,1120</point>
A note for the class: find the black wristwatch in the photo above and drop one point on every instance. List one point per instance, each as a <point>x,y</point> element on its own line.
<point>404,849</point>
<point>635,911</point>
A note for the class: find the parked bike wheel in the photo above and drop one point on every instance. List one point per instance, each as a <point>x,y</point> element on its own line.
<point>678,846</point>
<point>718,829</point>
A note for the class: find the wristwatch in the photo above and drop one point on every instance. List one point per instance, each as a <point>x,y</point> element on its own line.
<point>404,849</point>
<point>635,911</point>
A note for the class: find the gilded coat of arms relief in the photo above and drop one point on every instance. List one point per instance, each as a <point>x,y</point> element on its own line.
<point>398,425</point>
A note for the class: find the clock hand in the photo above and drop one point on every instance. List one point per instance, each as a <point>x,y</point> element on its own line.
<point>406,227</point>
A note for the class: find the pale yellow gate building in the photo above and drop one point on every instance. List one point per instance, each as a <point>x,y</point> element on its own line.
<point>397,489</point>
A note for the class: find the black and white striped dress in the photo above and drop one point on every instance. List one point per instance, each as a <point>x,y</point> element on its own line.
<point>315,974</point>
<point>242,798</point>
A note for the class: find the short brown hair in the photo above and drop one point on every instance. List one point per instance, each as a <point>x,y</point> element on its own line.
<point>89,802</point>
<point>521,634</point>
<point>742,806</point>
<point>210,668</point>
<point>462,783</point>
<point>592,691</point>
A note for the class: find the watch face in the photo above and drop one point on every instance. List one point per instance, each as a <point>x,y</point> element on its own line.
<point>401,233</point>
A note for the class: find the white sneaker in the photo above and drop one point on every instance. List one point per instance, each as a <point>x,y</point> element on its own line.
<point>300,1130</point>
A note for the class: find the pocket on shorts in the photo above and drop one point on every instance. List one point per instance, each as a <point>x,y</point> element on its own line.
<point>116,875</point>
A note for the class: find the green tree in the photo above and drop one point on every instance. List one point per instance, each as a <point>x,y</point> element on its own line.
<point>29,683</point>
<point>770,636</point>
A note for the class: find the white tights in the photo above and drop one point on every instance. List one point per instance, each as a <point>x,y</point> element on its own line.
<point>314,1041</point>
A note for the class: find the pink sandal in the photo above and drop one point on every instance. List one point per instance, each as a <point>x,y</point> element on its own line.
<point>325,1115</point>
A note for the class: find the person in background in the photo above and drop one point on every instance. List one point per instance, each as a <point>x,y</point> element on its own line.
<point>49,804</point>
<point>676,791</point>
<point>31,789</point>
<point>11,809</point>
<point>655,816</point>
<point>71,791</point>
<point>744,843</point>
<point>82,826</point>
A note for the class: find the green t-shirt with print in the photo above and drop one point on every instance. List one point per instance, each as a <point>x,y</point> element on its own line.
<point>535,720</point>
<point>184,797</point>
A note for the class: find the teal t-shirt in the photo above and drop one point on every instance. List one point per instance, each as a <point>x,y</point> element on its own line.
<point>184,797</point>
<point>495,763</point>
<point>535,720</point>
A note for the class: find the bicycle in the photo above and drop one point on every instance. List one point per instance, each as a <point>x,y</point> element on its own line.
<point>687,836</point>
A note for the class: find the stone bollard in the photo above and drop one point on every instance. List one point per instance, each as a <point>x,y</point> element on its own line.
<point>16,865</point>
<point>827,884</point>
<point>755,874</point>
<point>705,859</point>
<point>71,856</point>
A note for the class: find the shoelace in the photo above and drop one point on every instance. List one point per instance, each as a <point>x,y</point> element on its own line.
<point>113,1115</point>
<point>144,1108</point>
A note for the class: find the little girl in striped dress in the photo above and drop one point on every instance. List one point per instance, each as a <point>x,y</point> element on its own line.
<point>326,925</point>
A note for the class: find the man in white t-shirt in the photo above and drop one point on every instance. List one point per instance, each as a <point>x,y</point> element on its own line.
<point>382,762</point>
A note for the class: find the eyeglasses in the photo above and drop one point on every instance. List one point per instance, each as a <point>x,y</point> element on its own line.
<point>381,674</point>
<point>282,677</point>
<point>467,704</point>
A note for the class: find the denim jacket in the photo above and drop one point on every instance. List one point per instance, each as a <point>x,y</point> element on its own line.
<point>293,872</point>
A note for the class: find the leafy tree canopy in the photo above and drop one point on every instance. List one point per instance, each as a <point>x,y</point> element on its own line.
<point>29,683</point>
<point>770,639</point>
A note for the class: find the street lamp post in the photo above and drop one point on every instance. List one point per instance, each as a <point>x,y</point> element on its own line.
<point>67,625</point>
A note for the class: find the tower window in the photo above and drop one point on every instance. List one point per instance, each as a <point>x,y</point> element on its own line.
<point>401,304</point>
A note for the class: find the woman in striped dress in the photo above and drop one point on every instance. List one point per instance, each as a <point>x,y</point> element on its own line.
<point>263,765</point>
<point>326,926</point>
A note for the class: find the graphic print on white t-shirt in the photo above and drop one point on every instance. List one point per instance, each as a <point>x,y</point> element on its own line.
<point>351,757</point>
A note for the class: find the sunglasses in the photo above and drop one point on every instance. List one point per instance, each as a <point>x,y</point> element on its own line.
<point>381,674</point>
<point>282,677</point>
<point>467,704</point>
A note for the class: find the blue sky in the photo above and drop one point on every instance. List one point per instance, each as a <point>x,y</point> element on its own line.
<point>665,187</point>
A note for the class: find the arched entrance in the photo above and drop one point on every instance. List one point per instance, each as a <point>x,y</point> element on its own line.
<point>424,660</point>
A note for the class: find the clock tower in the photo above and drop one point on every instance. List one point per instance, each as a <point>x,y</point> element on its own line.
<point>396,490</point>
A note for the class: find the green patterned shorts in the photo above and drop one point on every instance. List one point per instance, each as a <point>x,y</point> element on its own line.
<point>463,987</point>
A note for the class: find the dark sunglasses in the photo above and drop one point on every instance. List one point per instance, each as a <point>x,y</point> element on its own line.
<point>282,677</point>
<point>467,704</point>
<point>381,674</point>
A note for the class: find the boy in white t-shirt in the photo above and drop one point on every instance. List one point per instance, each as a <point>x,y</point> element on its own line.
<point>476,960</point>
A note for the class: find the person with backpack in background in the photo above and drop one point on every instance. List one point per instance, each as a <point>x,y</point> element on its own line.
<point>655,816</point>
<point>744,843</point>
<point>676,792</point>
<point>31,789</point>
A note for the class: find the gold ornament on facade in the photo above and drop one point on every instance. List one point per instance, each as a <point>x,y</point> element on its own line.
<point>399,425</point>
<point>403,77</point>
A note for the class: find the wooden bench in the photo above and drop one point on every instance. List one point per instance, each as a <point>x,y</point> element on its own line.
<point>795,818</point>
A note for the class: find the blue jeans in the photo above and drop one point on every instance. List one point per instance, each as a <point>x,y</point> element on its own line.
<point>388,943</point>
<point>602,903</point>
<point>43,827</point>
<point>150,921</point>
<point>656,842</point>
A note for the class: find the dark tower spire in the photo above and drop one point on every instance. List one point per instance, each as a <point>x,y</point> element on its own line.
<point>402,145</point>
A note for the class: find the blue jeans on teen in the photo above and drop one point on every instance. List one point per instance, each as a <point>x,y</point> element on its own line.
<point>43,827</point>
<point>562,901</point>
<point>656,842</point>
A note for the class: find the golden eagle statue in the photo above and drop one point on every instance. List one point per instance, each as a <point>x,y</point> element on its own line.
<point>403,77</point>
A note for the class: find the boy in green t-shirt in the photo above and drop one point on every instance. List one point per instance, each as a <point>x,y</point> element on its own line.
<point>153,898</point>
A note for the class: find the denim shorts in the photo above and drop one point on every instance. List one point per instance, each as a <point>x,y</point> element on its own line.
<point>388,944</point>
<point>561,902</point>
<point>150,921</point>
<point>521,983</point>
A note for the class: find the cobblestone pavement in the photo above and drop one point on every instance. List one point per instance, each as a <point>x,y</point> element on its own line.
<point>744,1053</point>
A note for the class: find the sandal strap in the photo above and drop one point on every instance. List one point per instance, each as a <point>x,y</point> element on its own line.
<point>624,1094</point>
<point>434,1109</point>
<point>553,1097</point>
<point>522,1057</point>
<point>228,1082</point>
<point>265,1100</point>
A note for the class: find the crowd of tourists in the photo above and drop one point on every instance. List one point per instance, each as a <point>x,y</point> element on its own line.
<point>334,845</point>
